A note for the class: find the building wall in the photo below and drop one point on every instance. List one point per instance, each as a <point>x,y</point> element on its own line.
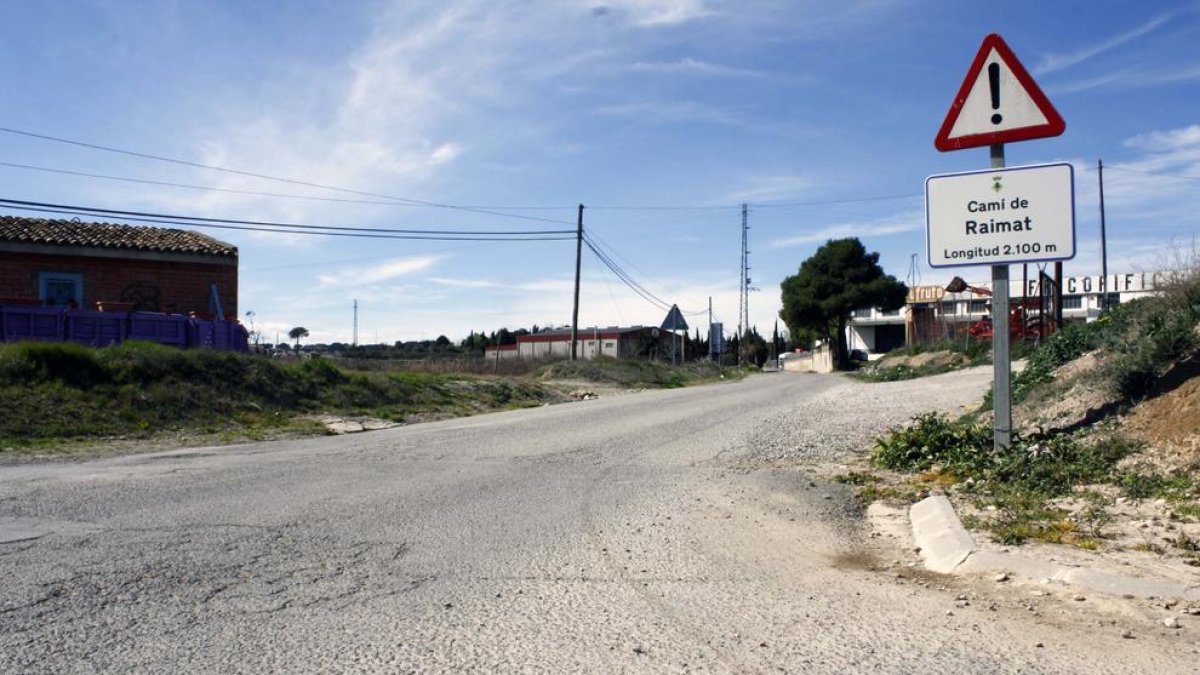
<point>818,361</point>
<point>1083,300</point>
<point>561,349</point>
<point>179,285</point>
<point>589,345</point>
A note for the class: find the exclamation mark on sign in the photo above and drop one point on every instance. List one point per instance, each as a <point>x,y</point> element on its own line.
<point>994,81</point>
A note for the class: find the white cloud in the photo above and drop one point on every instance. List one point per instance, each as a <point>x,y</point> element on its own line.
<point>764,188</point>
<point>1054,62</point>
<point>386,271</point>
<point>1170,140</point>
<point>445,152</point>
<point>654,13</point>
<point>897,224</point>
<point>1131,78</point>
<point>676,111</point>
<point>692,66</point>
<point>465,283</point>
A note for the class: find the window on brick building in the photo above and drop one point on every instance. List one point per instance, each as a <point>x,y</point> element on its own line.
<point>60,288</point>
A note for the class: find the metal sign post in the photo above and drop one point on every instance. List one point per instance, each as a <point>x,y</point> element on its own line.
<point>1001,350</point>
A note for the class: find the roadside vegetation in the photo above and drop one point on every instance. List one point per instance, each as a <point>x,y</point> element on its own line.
<point>56,396</point>
<point>1072,457</point>
<point>633,374</point>
<point>925,360</point>
<point>917,361</point>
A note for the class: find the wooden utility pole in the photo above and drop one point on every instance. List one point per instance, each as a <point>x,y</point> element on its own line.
<point>578,263</point>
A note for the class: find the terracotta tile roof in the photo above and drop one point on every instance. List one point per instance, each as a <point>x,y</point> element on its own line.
<point>53,232</point>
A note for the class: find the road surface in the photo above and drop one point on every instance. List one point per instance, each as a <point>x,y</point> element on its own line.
<point>627,534</point>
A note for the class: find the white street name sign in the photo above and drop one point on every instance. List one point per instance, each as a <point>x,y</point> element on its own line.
<point>1001,216</point>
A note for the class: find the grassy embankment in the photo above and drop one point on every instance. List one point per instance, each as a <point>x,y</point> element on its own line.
<point>934,359</point>
<point>1137,351</point>
<point>58,397</point>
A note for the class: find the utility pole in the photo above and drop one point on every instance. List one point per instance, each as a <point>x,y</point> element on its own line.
<point>578,263</point>
<point>1103,238</point>
<point>710,335</point>
<point>354,343</point>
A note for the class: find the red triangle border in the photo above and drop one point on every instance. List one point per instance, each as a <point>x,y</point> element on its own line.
<point>1054,125</point>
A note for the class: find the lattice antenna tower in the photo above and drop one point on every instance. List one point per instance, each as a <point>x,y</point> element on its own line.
<point>744,287</point>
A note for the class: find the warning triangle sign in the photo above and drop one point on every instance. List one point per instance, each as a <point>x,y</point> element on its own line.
<point>674,320</point>
<point>998,103</point>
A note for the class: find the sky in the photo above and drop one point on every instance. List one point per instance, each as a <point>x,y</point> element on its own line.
<point>661,117</point>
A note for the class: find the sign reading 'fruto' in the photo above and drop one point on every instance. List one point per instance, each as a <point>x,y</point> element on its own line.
<point>1000,216</point>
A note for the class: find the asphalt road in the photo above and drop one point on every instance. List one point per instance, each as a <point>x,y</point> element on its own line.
<point>626,534</point>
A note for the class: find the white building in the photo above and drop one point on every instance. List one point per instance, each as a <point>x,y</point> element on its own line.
<point>932,314</point>
<point>613,342</point>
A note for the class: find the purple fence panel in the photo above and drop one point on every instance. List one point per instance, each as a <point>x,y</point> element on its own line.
<point>30,322</point>
<point>95,329</point>
<point>167,329</point>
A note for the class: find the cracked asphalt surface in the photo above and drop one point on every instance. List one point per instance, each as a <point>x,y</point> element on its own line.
<point>628,534</point>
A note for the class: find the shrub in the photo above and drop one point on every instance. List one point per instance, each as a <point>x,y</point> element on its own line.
<point>1068,344</point>
<point>1046,466</point>
<point>1150,334</point>
<point>71,364</point>
<point>934,439</point>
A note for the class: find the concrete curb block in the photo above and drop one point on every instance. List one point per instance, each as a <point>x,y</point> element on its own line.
<point>948,548</point>
<point>944,543</point>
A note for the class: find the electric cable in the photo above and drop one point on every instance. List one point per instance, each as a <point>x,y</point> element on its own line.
<point>251,174</point>
<point>191,220</point>
<point>276,230</point>
<point>1160,174</point>
<point>623,276</point>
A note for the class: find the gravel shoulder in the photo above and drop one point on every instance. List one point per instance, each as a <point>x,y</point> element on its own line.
<point>837,426</point>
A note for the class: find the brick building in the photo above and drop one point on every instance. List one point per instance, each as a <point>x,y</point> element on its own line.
<point>73,263</point>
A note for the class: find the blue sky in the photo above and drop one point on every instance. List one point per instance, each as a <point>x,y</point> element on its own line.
<point>820,115</point>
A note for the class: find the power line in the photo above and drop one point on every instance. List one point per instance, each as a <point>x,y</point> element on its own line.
<point>278,230</point>
<point>187,186</point>
<point>624,276</point>
<point>827,202</point>
<point>256,193</point>
<point>310,232</point>
<point>251,174</point>
<point>191,220</point>
<point>499,210</point>
<point>664,208</point>
<point>628,279</point>
<point>1160,174</point>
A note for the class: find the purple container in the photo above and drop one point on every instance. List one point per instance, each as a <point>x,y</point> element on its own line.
<point>29,322</point>
<point>167,329</point>
<point>95,329</point>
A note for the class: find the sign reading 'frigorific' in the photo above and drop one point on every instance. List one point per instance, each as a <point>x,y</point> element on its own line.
<point>1001,216</point>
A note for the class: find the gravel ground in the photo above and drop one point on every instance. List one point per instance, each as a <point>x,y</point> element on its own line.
<point>844,420</point>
